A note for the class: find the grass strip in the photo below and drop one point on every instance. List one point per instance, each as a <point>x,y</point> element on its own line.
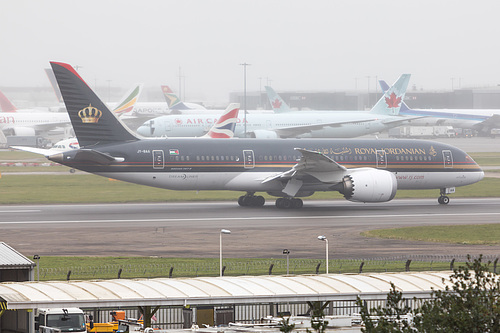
<point>481,234</point>
<point>88,268</point>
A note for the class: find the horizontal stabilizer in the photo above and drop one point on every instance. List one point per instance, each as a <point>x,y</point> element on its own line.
<point>86,156</point>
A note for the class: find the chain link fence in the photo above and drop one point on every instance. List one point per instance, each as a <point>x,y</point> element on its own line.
<point>234,267</point>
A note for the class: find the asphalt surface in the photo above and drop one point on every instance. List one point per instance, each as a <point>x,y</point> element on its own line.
<point>192,229</point>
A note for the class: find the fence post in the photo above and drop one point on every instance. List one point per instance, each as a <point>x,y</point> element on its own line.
<point>223,270</point>
<point>361,267</point>
<point>170,273</point>
<point>317,268</point>
<point>119,273</point>
<point>67,276</point>
<point>407,266</point>
<point>452,263</point>
<point>495,266</point>
<point>271,269</point>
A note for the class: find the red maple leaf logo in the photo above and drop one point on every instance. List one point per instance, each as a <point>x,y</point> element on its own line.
<point>276,104</point>
<point>178,121</point>
<point>393,101</point>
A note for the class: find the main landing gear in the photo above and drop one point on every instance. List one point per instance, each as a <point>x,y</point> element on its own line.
<point>288,203</point>
<point>251,200</point>
<point>444,199</point>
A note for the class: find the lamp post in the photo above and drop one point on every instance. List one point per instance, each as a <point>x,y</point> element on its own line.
<point>37,258</point>
<point>245,94</point>
<point>227,232</point>
<point>287,252</point>
<point>323,238</point>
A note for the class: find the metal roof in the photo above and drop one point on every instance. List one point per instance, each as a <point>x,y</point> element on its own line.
<point>10,258</point>
<point>217,290</point>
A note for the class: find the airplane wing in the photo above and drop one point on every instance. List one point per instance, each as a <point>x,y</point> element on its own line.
<point>40,151</point>
<point>293,131</point>
<point>400,120</point>
<point>312,166</point>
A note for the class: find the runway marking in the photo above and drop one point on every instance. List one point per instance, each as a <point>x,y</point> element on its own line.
<point>20,211</point>
<point>252,218</point>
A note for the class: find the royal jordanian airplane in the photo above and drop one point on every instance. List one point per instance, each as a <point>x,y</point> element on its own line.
<point>301,124</point>
<point>362,170</point>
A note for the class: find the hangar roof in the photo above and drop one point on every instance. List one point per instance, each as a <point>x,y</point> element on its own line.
<point>10,258</point>
<point>217,290</point>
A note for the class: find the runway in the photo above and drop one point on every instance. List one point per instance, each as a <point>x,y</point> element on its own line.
<point>192,229</point>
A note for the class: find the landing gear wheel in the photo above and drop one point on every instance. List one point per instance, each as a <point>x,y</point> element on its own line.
<point>288,203</point>
<point>251,200</point>
<point>297,203</point>
<point>443,200</point>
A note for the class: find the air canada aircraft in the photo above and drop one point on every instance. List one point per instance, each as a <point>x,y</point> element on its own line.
<point>303,124</point>
<point>362,170</point>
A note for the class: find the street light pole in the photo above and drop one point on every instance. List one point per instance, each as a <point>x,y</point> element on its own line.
<point>37,258</point>
<point>323,238</point>
<point>222,231</point>
<point>287,252</point>
<point>245,94</point>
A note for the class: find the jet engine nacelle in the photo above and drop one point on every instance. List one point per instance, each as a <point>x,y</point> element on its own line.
<point>23,131</point>
<point>264,134</point>
<point>369,185</point>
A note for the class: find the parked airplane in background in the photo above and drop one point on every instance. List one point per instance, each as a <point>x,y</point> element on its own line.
<point>339,124</point>
<point>481,120</point>
<point>277,103</point>
<point>31,122</point>
<point>363,170</point>
<point>223,129</point>
<point>176,105</point>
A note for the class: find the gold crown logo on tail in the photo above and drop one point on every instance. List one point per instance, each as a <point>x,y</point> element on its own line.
<point>90,114</point>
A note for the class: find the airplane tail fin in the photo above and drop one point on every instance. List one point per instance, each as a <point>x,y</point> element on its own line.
<point>277,103</point>
<point>93,123</point>
<point>53,83</point>
<point>390,103</point>
<point>225,125</point>
<point>384,86</point>
<point>6,105</point>
<point>174,102</point>
<point>127,103</point>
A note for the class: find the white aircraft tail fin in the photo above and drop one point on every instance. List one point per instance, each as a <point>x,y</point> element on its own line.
<point>277,103</point>
<point>390,103</point>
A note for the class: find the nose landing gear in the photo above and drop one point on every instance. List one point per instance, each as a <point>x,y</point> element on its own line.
<point>444,199</point>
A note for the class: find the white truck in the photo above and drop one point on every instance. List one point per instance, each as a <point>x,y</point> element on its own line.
<point>422,132</point>
<point>60,320</point>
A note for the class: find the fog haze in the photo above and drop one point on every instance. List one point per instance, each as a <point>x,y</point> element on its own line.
<point>293,45</point>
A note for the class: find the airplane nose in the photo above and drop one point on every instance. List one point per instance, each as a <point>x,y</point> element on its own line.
<point>147,129</point>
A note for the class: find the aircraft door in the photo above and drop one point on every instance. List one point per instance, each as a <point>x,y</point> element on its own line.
<point>448,159</point>
<point>248,159</point>
<point>168,125</point>
<point>158,159</point>
<point>381,159</point>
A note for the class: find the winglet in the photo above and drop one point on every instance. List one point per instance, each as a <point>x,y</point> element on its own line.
<point>6,105</point>
<point>277,103</point>
<point>390,102</point>
<point>225,125</point>
<point>93,122</point>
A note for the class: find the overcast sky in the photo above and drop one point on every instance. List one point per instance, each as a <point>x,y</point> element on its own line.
<point>298,45</point>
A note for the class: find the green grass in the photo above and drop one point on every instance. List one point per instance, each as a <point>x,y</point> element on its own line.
<point>486,159</point>
<point>86,268</point>
<point>483,234</point>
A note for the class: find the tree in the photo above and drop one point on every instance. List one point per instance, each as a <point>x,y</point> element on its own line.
<point>468,304</point>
